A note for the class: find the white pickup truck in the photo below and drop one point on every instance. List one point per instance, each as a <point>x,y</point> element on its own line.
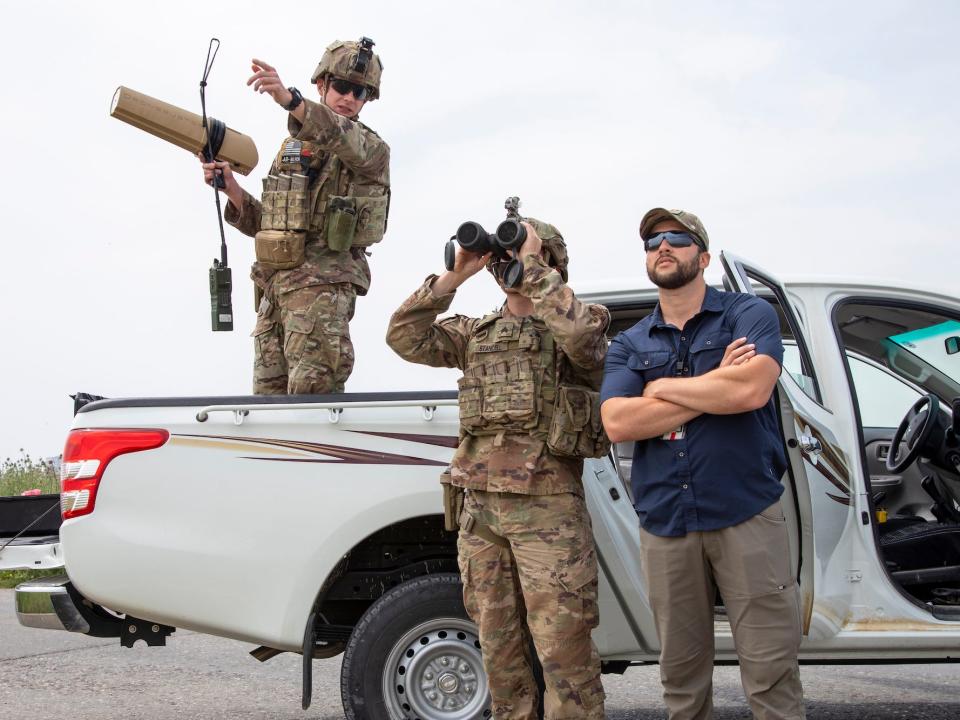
<point>312,524</point>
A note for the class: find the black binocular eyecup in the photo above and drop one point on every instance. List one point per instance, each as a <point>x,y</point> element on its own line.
<point>511,234</point>
<point>472,237</point>
<point>450,254</point>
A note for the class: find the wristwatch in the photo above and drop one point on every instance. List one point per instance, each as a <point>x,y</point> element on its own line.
<point>294,101</point>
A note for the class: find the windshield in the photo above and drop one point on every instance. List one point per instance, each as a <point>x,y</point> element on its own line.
<point>931,346</point>
<point>913,341</point>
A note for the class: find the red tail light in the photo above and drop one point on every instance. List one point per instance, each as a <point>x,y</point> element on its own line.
<point>85,457</point>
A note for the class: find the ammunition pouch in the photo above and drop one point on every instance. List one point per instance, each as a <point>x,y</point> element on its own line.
<point>284,203</point>
<point>575,428</point>
<point>279,244</point>
<point>280,249</point>
<point>355,221</point>
<point>491,404</point>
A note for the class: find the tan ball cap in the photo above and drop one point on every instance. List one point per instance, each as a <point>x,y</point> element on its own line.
<point>690,221</point>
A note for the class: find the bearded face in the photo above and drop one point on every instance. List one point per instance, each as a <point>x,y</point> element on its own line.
<point>668,271</point>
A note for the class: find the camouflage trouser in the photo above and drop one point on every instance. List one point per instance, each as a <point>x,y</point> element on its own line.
<point>301,342</point>
<point>546,582</point>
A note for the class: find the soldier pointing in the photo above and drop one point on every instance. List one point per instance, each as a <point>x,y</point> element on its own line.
<point>324,202</point>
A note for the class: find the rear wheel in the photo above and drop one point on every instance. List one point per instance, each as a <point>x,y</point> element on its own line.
<point>415,655</point>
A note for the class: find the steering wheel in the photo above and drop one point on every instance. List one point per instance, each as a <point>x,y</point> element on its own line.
<point>913,432</point>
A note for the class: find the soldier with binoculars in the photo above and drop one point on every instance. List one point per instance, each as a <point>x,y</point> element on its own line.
<point>529,415</point>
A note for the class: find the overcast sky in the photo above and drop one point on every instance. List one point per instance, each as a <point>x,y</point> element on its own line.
<point>815,138</point>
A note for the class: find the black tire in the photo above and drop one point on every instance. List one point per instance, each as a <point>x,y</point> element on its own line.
<point>415,655</point>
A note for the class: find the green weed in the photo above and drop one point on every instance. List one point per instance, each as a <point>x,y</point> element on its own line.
<point>12,578</point>
<point>25,473</point>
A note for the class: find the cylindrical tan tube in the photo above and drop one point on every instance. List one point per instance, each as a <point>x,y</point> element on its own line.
<point>181,127</point>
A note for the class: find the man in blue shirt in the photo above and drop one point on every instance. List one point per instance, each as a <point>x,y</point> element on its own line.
<point>692,384</point>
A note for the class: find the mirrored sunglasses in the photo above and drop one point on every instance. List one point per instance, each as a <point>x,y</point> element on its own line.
<point>675,239</point>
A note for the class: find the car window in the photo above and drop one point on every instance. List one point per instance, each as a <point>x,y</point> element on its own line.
<point>793,364</point>
<point>796,356</point>
<point>883,398</point>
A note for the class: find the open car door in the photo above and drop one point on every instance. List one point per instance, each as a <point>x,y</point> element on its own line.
<point>808,439</point>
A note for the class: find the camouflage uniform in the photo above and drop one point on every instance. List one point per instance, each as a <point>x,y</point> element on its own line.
<point>520,489</point>
<point>302,336</point>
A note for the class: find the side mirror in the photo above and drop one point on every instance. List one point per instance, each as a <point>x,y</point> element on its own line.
<point>952,344</point>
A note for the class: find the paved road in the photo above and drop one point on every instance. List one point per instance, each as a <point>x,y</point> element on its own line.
<point>47,675</point>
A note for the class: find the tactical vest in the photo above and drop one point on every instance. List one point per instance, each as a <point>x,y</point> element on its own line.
<point>517,381</point>
<point>311,197</point>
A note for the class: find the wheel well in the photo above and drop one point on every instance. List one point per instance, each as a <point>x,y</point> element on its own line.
<point>392,555</point>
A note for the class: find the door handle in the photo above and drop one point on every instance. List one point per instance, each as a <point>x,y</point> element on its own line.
<point>810,444</point>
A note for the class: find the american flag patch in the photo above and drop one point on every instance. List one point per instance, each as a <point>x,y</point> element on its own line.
<point>291,152</point>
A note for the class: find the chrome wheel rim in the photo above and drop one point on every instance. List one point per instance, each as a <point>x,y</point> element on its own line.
<point>435,672</point>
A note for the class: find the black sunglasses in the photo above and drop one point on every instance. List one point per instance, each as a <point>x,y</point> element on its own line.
<point>345,87</point>
<point>675,239</point>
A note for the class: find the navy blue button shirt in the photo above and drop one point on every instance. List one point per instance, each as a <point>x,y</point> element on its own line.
<point>722,469</point>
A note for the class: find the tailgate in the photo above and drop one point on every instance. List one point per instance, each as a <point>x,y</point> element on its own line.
<point>30,532</point>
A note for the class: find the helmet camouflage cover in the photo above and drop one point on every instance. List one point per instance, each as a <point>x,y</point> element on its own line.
<point>554,245</point>
<point>343,59</point>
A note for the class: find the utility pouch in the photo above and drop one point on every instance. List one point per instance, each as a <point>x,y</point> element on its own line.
<point>575,428</point>
<point>341,222</point>
<point>371,220</point>
<point>453,497</point>
<point>280,249</point>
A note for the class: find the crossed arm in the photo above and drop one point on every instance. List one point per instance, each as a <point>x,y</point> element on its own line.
<point>743,382</point>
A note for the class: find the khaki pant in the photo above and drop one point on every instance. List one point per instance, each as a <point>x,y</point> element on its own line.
<point>547,582</point>
<point>302,341</point>
<point>750,564</point>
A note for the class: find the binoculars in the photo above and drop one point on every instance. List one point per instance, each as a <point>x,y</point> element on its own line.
<point>510,235</point>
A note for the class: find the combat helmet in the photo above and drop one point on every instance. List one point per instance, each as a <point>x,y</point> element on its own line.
<point>554,245</point>
<point>354,61</point>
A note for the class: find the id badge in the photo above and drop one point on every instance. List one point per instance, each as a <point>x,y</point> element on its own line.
<point>677,434</point>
